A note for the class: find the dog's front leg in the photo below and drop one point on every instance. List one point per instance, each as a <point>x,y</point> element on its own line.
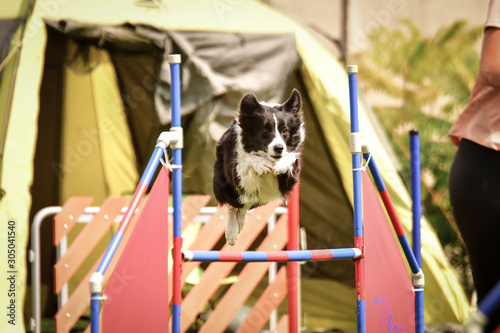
<point>232,225</point>
<point>241,218</point>
<point>285,164</point>
<point>260,165</point>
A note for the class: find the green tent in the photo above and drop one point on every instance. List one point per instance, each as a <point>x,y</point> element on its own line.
<point>91,96</point>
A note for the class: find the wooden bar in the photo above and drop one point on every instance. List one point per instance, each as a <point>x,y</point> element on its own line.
<point>79,300</point>
<point>282,326</point>
<point>190,208</point>
<point>206,239</point>
<point>248,279</point>
<point>269,301</point>
<point>86,240</point>
<point>66,219</point>
<point>211,280</point>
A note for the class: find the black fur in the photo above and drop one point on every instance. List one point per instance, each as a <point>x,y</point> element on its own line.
<point>253,146</point>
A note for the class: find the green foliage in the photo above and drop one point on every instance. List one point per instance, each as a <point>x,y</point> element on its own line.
<point>428,81</point>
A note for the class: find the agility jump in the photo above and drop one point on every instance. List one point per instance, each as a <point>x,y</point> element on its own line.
<point>368,293</point>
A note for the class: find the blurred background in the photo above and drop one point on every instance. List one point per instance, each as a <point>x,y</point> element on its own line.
<point>418,62</point>
<point>84,92</point>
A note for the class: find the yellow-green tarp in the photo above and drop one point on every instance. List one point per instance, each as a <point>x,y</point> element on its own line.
<point>323,77</point>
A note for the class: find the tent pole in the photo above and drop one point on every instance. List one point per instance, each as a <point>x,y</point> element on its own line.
<point>355,145</point>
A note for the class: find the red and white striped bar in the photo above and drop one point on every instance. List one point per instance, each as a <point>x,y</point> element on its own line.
<point>262,256</point>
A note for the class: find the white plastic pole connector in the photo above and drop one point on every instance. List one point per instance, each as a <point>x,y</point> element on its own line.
<point>173,139</point>
<point>174,58</point>
<point>418,279</point>
<point>355,143</point>
<point>352,69</point>
<point>476,323</point>
<point>357,253</point>
<point>187,255</point>
<point>365,147</point>
<point>96,283</point>
<point>177,137</point>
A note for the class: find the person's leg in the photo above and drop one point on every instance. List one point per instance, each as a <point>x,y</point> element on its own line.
<point>474,185</point>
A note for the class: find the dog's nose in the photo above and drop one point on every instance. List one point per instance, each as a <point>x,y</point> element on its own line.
<point>278,149</point>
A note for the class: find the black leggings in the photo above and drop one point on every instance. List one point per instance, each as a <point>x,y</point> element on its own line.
<point>475,197</point>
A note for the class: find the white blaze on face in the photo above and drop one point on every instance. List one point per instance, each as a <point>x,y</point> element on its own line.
<point>277,141</point>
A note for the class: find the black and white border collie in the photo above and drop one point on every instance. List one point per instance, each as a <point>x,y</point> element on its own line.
<point>258,157</point>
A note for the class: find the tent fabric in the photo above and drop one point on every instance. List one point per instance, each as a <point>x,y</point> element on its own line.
<point>13,10</point>
<point>95,136</point>
<point>16,175</point>
<point>226,51</point>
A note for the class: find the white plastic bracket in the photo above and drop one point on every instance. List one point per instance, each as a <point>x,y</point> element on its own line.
<point>352,69</point>
<point>358,253</point>
<point>96,283</point>
<point>174,58</point>
<point>365,147</point>
<point>178,137</point>
<point>100,298</point>
<point>418,279</point>
<point>187,255</point>
<point>355,143</point>
<point>173,138</point>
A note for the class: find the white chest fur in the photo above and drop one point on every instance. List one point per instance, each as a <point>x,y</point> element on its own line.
<point>258,188</point>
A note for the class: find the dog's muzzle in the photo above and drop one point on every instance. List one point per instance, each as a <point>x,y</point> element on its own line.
<point>277,151</point>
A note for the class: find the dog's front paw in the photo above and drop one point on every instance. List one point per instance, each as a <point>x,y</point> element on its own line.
<point>232,228</point>
<point>263,166</point>
<point>285,164</point>
<point>231,236</point>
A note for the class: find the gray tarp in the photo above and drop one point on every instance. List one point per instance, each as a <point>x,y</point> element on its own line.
<point>217,70</point>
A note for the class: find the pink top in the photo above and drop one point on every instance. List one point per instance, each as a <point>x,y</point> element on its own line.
<point>480,120</point>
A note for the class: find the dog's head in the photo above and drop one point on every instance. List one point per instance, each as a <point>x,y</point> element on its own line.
<point>271,130</point>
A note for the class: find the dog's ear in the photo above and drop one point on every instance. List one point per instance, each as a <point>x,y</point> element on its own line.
<point>294,103</point>
<point>249,104</point>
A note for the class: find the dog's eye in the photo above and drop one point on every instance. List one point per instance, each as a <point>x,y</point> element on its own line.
<point>265,130</point>
<point>285,133</point>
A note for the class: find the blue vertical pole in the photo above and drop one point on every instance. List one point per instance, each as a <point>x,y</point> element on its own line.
<point>417,212</point>
<point>175,95</point>
<point>355,145</point>
<point>95,299</point>
<point>415,192</point>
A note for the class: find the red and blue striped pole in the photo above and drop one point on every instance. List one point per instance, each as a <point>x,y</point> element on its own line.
<point>293,268</point>
<point>175,95</point>
<point>417,274</point>
<point>359,242</point>
<point>96,279</point>
<point>398,228</point>
<point>262,256</point>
